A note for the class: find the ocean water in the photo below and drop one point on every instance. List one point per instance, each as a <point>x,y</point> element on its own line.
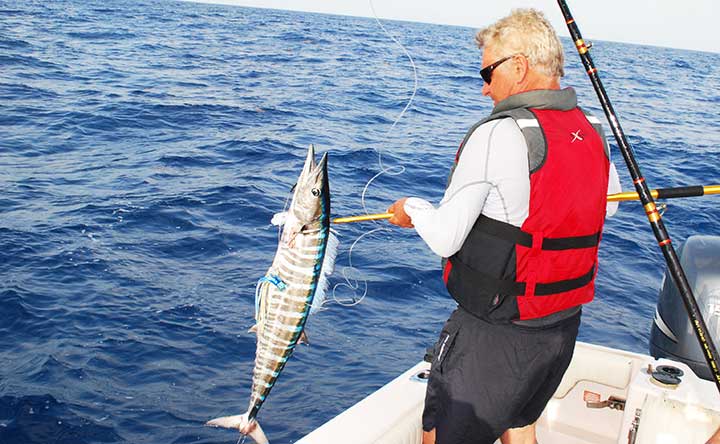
<point>145,146</point>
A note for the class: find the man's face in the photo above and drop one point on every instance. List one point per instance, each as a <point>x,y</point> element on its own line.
<point>503,82</point>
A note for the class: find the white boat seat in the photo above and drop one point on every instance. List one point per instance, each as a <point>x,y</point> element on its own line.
<point>599,365</point>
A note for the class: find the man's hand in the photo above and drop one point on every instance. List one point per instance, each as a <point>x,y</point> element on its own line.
<point>400,218</point>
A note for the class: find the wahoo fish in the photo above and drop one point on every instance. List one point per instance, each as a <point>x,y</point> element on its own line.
<point>292,288</point>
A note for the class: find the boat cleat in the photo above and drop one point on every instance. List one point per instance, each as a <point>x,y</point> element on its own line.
<point>612,402</point>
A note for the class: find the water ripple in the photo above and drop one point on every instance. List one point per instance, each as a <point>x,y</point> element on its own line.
<point>146,148</point>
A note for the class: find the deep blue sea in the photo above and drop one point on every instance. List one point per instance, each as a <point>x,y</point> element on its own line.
<point>145,146</point>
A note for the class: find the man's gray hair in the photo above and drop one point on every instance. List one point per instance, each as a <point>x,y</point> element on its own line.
<point>526,31</point>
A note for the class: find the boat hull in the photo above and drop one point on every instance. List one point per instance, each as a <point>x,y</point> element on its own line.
<point>686,414</point>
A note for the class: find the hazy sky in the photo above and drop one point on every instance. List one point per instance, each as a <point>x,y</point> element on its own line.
<point>676,24</point>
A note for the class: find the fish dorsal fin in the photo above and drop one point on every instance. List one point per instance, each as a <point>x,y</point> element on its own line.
<point>328,266</point>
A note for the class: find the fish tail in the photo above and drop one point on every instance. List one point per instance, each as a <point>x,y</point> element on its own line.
<point>248,427</point>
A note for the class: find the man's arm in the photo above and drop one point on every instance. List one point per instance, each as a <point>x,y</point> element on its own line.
<point>445,228</point>
<point>613,187</point>
<point>480,170</point>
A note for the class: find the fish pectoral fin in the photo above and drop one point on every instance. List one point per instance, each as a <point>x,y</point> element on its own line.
<point>327,268</point>
<point>253,329</point>
<point>303,338</point>
<point>240,422</point>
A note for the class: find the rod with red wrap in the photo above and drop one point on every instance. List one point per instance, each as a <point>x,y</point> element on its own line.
<point>654,217</point>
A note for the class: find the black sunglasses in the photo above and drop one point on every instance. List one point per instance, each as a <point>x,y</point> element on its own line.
<point>486,73</point>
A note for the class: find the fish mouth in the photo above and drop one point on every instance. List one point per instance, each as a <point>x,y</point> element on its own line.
<point>312,171</point>
<point>311,198</point>
<point>309,162</point>
<point>321,167</point>
<point>311,168</point>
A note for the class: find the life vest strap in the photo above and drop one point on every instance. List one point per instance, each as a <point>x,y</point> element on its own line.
<point>515,235</point>
<point>491,285</point>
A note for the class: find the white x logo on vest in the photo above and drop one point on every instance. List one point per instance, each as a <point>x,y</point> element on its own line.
<point>576,136</point>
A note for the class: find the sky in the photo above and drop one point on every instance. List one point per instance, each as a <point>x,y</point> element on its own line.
<point>686,24</point>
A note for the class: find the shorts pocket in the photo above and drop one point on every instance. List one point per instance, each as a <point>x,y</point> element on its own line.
<point>443,348</point>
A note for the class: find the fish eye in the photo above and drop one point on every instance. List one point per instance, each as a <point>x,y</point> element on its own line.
<point>316,192</point>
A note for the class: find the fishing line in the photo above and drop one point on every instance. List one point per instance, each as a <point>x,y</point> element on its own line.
<point>352,283</point>
<point>278,219</point>
<point>397,170</point>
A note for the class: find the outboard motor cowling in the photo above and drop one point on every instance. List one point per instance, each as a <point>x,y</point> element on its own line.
<point>672,335</point>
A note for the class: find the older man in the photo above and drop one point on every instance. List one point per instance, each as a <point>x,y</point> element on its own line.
<point>519,229</point>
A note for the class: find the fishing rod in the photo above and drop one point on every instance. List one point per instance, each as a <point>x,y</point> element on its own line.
<point>668,193</point>
<point>660,193</point>
<point>643,191</point>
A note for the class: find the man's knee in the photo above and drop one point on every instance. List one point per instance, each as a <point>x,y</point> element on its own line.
<point>428,437</point>
<point>521,435</point>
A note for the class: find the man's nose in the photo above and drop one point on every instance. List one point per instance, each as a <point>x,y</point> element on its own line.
<point>485,89</point>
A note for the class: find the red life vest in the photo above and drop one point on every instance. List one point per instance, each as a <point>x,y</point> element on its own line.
<point>504,273</point>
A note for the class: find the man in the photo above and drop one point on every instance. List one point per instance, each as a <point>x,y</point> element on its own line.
<point>518,228</point>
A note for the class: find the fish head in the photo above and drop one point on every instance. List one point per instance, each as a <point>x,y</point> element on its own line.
<point>311,200</point>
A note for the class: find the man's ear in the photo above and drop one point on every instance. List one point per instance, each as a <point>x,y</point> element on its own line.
<point>521,67</point>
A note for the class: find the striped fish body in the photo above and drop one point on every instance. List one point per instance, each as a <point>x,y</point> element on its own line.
<point>285,297</point>
<point>284,308</point>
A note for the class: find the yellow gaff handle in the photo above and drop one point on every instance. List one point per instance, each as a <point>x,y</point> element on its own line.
<point>347,220</point>
<point>619,197</point>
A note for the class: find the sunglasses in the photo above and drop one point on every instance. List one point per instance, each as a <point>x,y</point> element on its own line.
<point>486,73</point>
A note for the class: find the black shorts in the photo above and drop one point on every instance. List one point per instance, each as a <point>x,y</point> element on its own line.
<point>486,378</point>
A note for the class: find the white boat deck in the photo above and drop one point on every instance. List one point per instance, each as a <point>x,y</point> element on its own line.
<point>687,414</point>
